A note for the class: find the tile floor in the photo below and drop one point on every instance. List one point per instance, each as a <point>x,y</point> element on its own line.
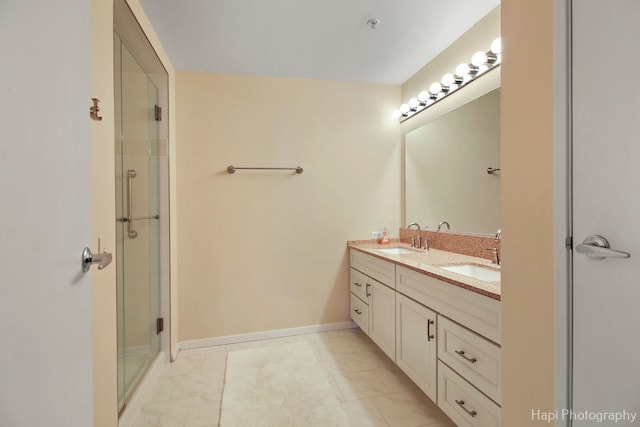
<point>371,389</point>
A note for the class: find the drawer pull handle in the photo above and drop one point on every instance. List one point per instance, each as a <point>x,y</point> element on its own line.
<point>462,354</point>
<point>461,404</point>
<point>357,311</point>
<point>429,335</point>
<point>358,284</point>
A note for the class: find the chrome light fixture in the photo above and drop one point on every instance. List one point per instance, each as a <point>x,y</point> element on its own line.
<point>481,62</point>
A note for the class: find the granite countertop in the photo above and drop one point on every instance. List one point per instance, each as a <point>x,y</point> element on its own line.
<point>431,262</point>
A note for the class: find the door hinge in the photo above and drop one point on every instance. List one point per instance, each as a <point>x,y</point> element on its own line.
<point>568,242</point>
<point>159,325</point>
<point>158,113</point>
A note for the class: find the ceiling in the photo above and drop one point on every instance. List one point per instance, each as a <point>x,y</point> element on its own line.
<point>317,39</point>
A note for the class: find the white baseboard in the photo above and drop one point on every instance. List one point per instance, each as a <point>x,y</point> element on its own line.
<point>265,335</point>
<point>174,353</point>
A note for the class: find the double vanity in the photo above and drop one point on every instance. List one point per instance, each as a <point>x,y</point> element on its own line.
<point>437,315</point>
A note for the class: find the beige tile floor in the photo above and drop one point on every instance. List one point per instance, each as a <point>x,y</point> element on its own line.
<point>371,389</point>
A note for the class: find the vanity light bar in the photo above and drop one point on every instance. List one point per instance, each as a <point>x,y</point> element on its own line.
<point>481,62</point>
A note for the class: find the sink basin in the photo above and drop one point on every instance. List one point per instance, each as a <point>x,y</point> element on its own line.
<point>475,271</point>
<point>396,251</point>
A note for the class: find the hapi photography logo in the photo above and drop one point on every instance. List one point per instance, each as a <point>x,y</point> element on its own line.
<point>624,416</point>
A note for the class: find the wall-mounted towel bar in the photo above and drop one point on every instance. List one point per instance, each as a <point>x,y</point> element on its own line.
<point>233,169</point>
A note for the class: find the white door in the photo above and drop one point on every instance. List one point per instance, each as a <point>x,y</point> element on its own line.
<point>45,299</point>
<point>606,202</point>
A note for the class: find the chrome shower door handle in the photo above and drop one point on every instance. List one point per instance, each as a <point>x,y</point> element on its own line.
<point>131,173</point>
<point>597,247</point>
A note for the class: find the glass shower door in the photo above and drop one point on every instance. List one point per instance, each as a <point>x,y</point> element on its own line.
<point>137,150</point>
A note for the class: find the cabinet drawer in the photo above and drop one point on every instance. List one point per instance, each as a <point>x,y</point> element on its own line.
<point>475,311</point>
<point>358,285</point>
<point>465,405</point>
<point>471,356</point>
<point>360,313</point>
<point>376,268</point>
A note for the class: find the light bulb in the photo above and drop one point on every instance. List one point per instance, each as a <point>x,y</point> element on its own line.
<point>479,58</point>
<point>435,88</point>
<point>423,97</point>
<point>395,114</point>
<point>404,109</point>
<point>413,104</point>
<point>496,46</point>
<point>447,80</point>
<point>462,70</point>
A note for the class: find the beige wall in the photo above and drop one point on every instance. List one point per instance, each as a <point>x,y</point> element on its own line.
<point>105,403</point>
<point>527,210</point>
<point>267,250</point>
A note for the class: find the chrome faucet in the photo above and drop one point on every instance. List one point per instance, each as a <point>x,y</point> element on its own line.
<point>413,238</point>
<point>444,223</point>
<point>499,234</point>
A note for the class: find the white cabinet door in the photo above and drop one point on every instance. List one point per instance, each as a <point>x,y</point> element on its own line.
<point>382,317</point>
<point>416,343</point>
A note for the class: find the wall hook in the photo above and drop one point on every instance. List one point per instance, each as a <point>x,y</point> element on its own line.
<point>93,111</point>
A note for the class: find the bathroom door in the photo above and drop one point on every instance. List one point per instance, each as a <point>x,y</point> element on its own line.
<point>45,200</point>
<point>606,202</point>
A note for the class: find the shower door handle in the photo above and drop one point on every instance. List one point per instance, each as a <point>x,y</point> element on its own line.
<point>131,173</point>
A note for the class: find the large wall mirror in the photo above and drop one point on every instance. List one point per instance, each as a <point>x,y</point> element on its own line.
<point>446,162</point>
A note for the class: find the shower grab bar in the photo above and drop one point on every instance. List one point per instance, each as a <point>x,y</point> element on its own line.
<point>131,173</point>
<point>298,169</point>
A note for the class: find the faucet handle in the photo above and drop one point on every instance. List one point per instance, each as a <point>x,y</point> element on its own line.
<point>496,257</point>
<point>426,243</point>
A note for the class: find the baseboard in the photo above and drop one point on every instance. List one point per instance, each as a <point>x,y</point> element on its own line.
<point>265,335</point>
<point>174,352</point>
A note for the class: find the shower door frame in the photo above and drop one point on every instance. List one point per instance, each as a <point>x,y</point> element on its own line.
<point>129,29</point>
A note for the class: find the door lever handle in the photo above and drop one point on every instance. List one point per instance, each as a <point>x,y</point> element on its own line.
<point>88,259</point>
<point>597,247</point>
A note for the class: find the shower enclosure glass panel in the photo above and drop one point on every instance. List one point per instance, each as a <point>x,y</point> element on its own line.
<point>141,162</point>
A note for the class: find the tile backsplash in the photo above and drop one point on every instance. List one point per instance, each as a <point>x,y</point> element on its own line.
<point>452,242</point>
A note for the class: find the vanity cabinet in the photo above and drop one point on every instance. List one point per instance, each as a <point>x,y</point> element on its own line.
<point>416,337</point>
<point>444,337</point>
<point>382,318</point>
<point>373,299</point>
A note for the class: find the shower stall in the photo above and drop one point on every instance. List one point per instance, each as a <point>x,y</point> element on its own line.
<point>142,202</point>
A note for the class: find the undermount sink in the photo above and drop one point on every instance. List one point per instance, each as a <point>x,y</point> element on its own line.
<point>475,272</point>
<point>397,251</point>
